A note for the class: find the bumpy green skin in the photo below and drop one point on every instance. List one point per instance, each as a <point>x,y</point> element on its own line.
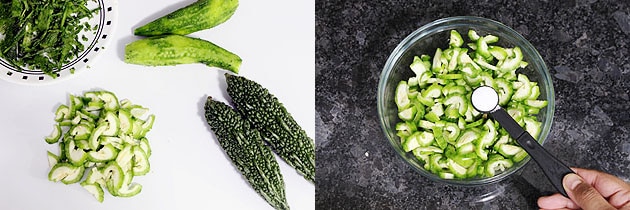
<point>203,14</point>
<point>170,50</point>
<point>245,147</point>
<point>276,125</point>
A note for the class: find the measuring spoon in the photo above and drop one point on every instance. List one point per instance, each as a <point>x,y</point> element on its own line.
<point>486,100</point>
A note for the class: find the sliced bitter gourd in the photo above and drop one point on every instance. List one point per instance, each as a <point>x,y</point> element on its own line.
<point>113,176</point>
<point>66,173</point>
<point>95,189</point>
<point>54,135</point>
<point>141,164</point>
<point>76,156</point>
<point>464,142</point>
<point>104,154</point>
<point>52,159</point>
<point>244,146</point>
<point>100,139</point>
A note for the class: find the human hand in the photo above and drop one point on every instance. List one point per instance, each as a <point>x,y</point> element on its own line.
<point>591,190</point>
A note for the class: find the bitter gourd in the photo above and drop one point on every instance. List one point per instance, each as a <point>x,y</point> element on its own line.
<point>245,147</point>
<point>176,49</point>
<point>276,125</point>
<point>203,14</point>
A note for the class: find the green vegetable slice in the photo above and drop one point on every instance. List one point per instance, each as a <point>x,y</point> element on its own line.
<point>104,154</point>
<point>141,164</point>
<point>464,143</point>
<point>66,173</point>
<point>54,135</point>
<point>113,176</point>
<point>94,189</point>
<point>102,140</point>
<point>75,155</point>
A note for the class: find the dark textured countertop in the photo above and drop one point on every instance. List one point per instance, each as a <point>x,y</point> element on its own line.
<point>585,44</point>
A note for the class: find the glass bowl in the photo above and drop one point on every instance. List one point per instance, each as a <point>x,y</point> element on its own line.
<point>425,40</point>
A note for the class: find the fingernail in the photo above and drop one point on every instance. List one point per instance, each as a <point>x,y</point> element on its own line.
<point>571,181</point>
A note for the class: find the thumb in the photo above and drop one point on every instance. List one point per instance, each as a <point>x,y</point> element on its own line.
<point>583,194</point>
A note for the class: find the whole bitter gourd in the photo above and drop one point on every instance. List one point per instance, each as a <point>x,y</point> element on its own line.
<point>201,15</point>
<point>176,49</point>
<point>276,125</point>
<point>245,147</point>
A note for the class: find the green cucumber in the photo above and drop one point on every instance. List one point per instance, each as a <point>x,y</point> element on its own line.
<point>171,50</point>
<point>200,15</point>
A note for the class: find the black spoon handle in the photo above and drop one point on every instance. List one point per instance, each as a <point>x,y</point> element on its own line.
<point>553,168</point>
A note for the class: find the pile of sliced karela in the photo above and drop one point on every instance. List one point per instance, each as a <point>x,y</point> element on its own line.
<point>167,43</point>
<point>440,126</point>
<point>261,124</point>
<point>103,137</point>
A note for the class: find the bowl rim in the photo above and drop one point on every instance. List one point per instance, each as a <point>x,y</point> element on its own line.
<point>423,31</point>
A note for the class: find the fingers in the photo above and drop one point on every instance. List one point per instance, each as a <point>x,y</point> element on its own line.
<point>556,201</point>
<point>590,189</point>
<point>616,190</point>
<point>584,194</point>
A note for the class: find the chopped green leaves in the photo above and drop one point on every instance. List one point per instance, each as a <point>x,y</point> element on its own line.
<point>43,34</point>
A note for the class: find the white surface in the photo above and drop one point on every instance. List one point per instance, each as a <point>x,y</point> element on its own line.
<point>189,170</point>
<point>485,99</point>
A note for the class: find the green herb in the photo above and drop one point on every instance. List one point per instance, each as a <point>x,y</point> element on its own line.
<point>42,34</point>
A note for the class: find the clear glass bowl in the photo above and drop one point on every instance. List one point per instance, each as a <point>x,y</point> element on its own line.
<point>425,40</point>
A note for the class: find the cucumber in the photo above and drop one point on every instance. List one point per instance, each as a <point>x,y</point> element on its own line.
<point>200,15</point>
<point>464,143</point>
<point>171,50</point>
<point>100,140</point>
